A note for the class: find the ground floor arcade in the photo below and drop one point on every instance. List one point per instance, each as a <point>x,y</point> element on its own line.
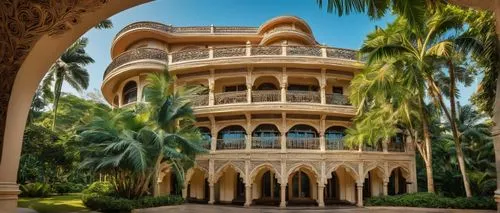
<point>290,182</point>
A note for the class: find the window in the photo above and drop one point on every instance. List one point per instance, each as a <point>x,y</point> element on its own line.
<point>300,185</point>
<point>338,90</point>
<point>235,88</point>
<point>130,92</point>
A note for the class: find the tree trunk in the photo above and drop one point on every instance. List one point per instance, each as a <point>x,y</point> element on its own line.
<point>57,95</point>
<point>427,147</point>
<point>454,128</point>
<point>156,190</point>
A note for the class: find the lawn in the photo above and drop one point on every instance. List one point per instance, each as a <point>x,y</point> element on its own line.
<point>54,204</point>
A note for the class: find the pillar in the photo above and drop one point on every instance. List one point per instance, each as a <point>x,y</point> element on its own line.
<point>323,86</point>
<point>322,141</point>
<point>211,199</point>
<point>321,195</point>
<point>359,187</point>
<point>249,93</point>
<point>283,92</point>
<point>283,195</point>
<point>211,85</point>
<point>184,192</point>
<point>386,183</point>
<point>248,195</point>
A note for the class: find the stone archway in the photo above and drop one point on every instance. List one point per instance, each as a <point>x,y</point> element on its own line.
<point>30,28</point>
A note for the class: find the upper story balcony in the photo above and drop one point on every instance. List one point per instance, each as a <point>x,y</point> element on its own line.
<point>240,54</point>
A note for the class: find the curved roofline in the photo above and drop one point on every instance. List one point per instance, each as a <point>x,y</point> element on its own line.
<point>281,19</point>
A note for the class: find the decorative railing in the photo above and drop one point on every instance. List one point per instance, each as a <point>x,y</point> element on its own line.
<point>231,143</point>
<point>303,96</point>
<point>396,147</point>
<point>147,25</point>
<point>341,53</point>
<point>304,50</point>
<point>266,142</point>
<point>206,144</point>
<point>231,97</point>
<point>371,148</point>
<point>266,50</point>
<point>266,95</point>
<point>337,99</point>
<point>229,52</point>
<point>302,143</point>
<point>136,54</point>
<point>200,100</point>
<point>189,55</point>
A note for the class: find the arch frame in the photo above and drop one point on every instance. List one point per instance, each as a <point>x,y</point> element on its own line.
<point>312,170</point>
<point>332,167</point>
<point>301,122</point>
<point>255,171</point>
<point>218,174</point>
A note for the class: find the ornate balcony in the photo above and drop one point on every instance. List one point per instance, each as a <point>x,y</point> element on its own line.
<point>272,142</point>
<point>135,55</point>
<point>230,143</point>
<point>266,96</point>
<point>230,97</point>
<point>335,144</point>
<point>396,147</point>
<point>200,100</point>
<point>302,143</point>
<point>303,96</point>
<point>337,99</point>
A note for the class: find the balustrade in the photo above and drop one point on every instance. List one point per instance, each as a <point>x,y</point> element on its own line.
<point>200,100</point>
<point>266,96</point>
<point>303,96</point>
<point>231,97</point>
<point>302,143</point>
<point>372,148</point>
<point>272,142</point>
<point>231,143</point>
<point>336,99</point>
<point>396,147</point>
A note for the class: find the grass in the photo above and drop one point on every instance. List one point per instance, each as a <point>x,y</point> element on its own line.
<point>54,204</point>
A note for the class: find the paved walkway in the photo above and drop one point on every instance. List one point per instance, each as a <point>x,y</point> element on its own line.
<point>197,208</point>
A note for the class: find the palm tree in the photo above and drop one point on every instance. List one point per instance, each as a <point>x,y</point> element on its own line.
<point>173,118</point>
<point>67,68</point>
<point>104,24</point>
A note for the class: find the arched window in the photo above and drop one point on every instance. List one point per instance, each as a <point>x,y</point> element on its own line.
<point>302,137</point>
<point>334,137</point>
<point>266,136</point>
<point>301,185</point>
<point>130,92</point>
<point>206,136</point>
<point>231,137</point>
<point>267,86</point>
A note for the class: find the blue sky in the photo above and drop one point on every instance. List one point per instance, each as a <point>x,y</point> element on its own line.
<point>347,31</point>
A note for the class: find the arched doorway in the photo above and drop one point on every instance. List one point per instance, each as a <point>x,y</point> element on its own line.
<point>266,136</point>
<point>374,183</point>
<point>230,186</point>
<point>197,187</point>
<point>302,137</point>
<point>129,92</point>
<point>397,182</point>
<point>302,186</point>
<point>341,187</point>
<point>231,137</point>
<point>266,190</point>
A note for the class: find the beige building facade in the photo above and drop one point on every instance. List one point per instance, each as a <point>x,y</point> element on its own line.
<point>273,115</point>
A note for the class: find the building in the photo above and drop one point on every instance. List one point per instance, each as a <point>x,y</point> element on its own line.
<point>275,113</point>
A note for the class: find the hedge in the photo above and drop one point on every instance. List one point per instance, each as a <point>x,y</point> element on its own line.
<point>64,188</point>
<point>429,200</point>
<point>109,204</point>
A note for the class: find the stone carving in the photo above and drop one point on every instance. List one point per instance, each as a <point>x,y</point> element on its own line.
<point>190,55</point>
<point>229,52</point>
<point>230,97</point>
<point>255,167</point>
<point>266,50</point>
<point>341,53</point>
<point>266,96</point>
<point>200,100</point>
<point>303,50</point>
<point>221,166</point>
<point>136,54</point>
<point>23,23</point>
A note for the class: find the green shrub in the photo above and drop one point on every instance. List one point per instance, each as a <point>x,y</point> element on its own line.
<point>109,204</point>
<point>64,188</point>
<point>35,190</point>
<point>429,200</point>
<point>101,188</point>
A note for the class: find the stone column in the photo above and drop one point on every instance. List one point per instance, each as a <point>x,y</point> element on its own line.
<point>249,93</point>
<point>321,195</point>
<point>283,196</point>
<point>323,86</point>
<point>213,143</point>
<point>283,92</point>
<point>322,141</point>
<point>211,85</point>
<point>386,183</point>
<point>359,187</point>
<point>211,199</point>
<point>248,195</point>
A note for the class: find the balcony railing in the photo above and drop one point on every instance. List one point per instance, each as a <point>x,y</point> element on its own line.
<point>396,147</point>
<point>337,99</point>
<point>230,97</point>
<point>266,96</point>
<point>223,52</point>
<point>371,148</point>
<point>302,143</point>
<point>266,142</point>
<point>303,96</point>
<point>231,143</point>
<point>200,100</point>
<point>206,144</point>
